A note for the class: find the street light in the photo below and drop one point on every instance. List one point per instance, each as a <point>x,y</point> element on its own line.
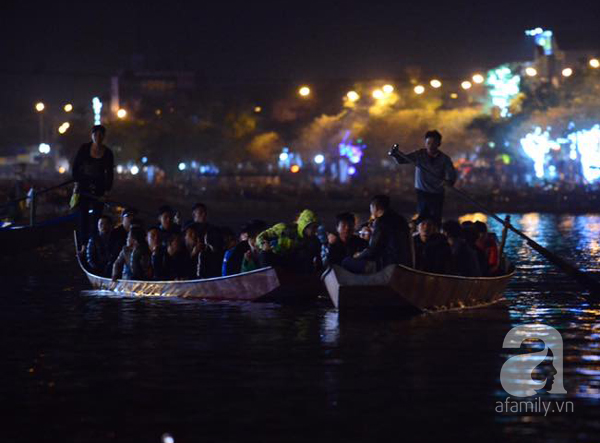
<point>531,72</point>
<point>39,106</point>
<point>388,89</point>
<point>419,89</point>
<point>352,96</point>
<point>595,63</point>
<point>68,107</point>
<point>435,83</point>
<point>304,91</point>
<point>478,78</point>
<point>121,113</point>
<point>466,85</point>
<point>64,127</point>
<point>378,94</point>
<point>319,158</point>
<point>567,72</point>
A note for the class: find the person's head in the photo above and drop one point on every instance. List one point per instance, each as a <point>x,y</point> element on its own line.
<point>229,237</point>
<point>104,225</point>
<point>174,244</point>
<point>307,224</point>
<point>191,236</point>
<point>379,204</point>
<point>153,237</point>
<point>98,134</point>
<point>427,228</point>
<point>127,218</point>
<point>255,227</point>
<point>480,228</point>
<point>451,228</point>
<point>177,217</point>
<point>433,140</point>
<point>136,237</point>
<point>199,213</point>
<point>346,222</point>
<point>165,217</point>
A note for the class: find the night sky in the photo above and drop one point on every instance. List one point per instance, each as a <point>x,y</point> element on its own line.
<point>285,40</point>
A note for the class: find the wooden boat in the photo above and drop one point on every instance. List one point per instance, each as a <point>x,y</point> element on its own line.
<point>398,286</point>
<point>266,284</point>
<point>14,239</point>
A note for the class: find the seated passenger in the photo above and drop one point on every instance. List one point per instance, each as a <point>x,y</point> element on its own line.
<point>194,246</point>
<point>389,242</point>
<point>232,261</point>
<point>487,242</point>
<point>157,254</point>
<point>121,232</point>
<point>432,251</point>
<point>292,245</point>
<point>470,234</point>
<point>100,250</point>
<point>177,262</point>
<point>251,258</point>
<point>464,258</point>
<point>345,243</point>
<point>133,263</point>
<point>167,226</point>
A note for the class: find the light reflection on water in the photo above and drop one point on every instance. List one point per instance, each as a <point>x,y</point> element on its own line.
<point>187,364</point>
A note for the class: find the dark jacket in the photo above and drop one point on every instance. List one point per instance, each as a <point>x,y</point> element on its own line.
<point>339,250</point>
<point>100,253</point>
<point>465,261</point>
<point>433,256</point>
<point>389,241</point>
<point>94,175</point>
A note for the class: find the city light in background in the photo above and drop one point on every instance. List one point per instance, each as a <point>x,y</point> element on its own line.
<point>319,159</point>
<point>388,89</point>
<point>44,148</point>
<point>567,72</point>
<point>478,79</point>
<point>257,109</point>
<point>595,63</point>
<point>352,96</point>
<point>121,113</point>
<point>531,72</point>
<point>39,106</point>
<point>295,169</point>
<point>304,91</point>
<point>97,107</point>
<point>435,83</point>
<point>466,85</point>
<point>378,94</point>
<point>419,89</point>
<point>64,127</point>
<point>68,107</point>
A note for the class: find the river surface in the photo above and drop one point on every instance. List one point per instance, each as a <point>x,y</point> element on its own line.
<point>81,366</point>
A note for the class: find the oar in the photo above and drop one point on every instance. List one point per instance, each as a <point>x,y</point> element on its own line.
<point>578,275</point>
<point>115,203</point>
<point>37,193</point>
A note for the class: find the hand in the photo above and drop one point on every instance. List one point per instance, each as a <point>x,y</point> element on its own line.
<point>356,255</point>
<point>394,151</point>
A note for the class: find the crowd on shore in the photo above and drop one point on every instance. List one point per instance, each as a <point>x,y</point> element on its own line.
<point>172,250</point>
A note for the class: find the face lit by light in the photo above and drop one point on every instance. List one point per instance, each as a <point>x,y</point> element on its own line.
<point>419,89</point>
<point>435,83</point>
<point>304,91</point>
<point>466,85</point>
<point>595,63</point>
<point>531,72</point>
<point>478,78</point>
<point>567,72</point>
<point>388,89</point>
<point>352,96</point>
<point>378,94</point>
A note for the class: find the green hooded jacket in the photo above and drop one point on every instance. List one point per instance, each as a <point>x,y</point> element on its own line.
<point>283,237</point>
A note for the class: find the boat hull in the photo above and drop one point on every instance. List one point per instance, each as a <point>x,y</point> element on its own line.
<point>399,286</point>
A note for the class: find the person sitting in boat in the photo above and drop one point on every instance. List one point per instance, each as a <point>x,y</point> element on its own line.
<point>464,258</point>
<point>133,263</point>
<point>344,243</point>
<point>157,254</point>
<point>211,232</point>
<point>177,262</point>
<point>121,232</point>
<point>166,224</point>
<point>470,234</point>
<point>432,251</point>
<point>100,250</point>
<point>251,258</point>
<point>292,245</point>
<point>488,243</point>
<point>389,242</point>
<point>234,257</point>
<point>194,245</point>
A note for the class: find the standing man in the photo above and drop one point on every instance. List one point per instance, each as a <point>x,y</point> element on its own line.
<point>430,185</point>
<point>93,173</point>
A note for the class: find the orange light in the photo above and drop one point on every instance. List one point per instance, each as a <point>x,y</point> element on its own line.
<point>295,169</point>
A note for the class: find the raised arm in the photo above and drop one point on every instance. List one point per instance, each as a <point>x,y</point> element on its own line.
<point>395,153</point>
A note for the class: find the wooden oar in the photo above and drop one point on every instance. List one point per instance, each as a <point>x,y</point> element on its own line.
<point>583,278</point>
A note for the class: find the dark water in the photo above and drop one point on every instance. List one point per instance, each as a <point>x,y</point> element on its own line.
<point>80,366</point>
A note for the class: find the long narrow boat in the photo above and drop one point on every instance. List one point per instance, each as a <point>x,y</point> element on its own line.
<point>266,284</point>
<point>398,286</point>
